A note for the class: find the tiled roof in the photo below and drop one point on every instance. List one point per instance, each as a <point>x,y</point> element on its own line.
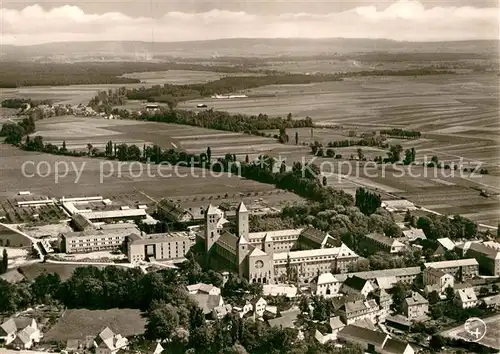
<point>363,335</point>
<point>229,239</point>
<point>394,346</point>
<point>206,302</point>
<point>451,264</point>
<point>355,283</point>
<point>415,299</point>
<point>9,326</point>
<point>467,295</point>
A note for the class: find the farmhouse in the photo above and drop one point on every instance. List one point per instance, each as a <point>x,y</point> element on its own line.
<point>373,341</point>
<point>107,342</point>
<point>398,205</point>
<point>161,247</point>
<point>20,332</point>
<point>259,259</point>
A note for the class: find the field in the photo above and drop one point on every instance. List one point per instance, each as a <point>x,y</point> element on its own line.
<point>77,324</point>
<point>64,270</point>
<point>180,77</point>
<point>78,132</point>
<point>132,183</point>
<point>491,337</point>
<point>75,94</point>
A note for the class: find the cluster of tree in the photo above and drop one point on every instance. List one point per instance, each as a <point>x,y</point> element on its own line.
<point>439,226</point>
<point>400,133</point>
<point>225,121</point>
<point>446,308</point>
<point>345,222</point>
<point>270,223</point>
<point>14,132</point>
<point>4,262</point>
<point>17,74</point>
<point>367,202</point>
<point>410,156</point>
<point>17,103</point>
<point>172,315</point>
<point>169,93</point>
<point>382,260</point>
<point>105,99</point>
<point>376,141</point>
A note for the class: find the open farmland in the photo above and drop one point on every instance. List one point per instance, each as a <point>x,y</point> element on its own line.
<point>490,338</point>
<point>130,178</point>
<point>457,114</point>
<point>180,77</point>
<point>76,94</point>
<point>77,324</point>
<point>78,132</point>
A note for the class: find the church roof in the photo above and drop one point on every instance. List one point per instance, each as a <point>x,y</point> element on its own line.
<point>242,208</point>
<point>257,252</point>
<point>211,210</point>
<point>242,240</point>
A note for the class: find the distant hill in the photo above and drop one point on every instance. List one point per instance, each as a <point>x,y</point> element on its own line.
<point>109,50</point>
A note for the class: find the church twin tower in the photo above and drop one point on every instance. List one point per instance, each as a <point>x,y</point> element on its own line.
<point>238,244</point>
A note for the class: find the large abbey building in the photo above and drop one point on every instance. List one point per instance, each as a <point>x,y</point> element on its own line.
<point>265,257</point>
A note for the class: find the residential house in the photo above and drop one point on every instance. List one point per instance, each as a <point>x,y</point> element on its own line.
<point>286,320</point>
<point>373,341</point>
<point>438,278</point>
<point>415,306</point>
<point>259,306</point>
<point>466,298</point>
<point>413,234</point>
<point>108,342</point>
<point>326,285</point>
<point>384,300</point>
<point>359,285</point>
<point>207,302</point>
<point>220,312</point>
<point>20,332</point>
<point>461,269</point>
<point>243,310</point>
<point>201,288</point>
<point>491,301</point>
<point>398,205</point>
<point>336,325</point>
<point>357,310</point>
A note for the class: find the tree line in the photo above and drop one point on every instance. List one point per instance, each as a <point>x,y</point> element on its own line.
<point>225,121</point>
<point>18,74</point>
<point>14,132</point>
<point>177,93</point>
<point>17,103</point>
<point>400,133</point>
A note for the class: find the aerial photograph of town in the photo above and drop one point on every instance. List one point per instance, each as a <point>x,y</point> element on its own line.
<point>249,177</point>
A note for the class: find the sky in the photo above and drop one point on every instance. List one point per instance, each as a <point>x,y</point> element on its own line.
<point>26,22</point>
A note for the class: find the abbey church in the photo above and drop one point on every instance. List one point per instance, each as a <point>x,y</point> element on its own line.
<point>267,257</point>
